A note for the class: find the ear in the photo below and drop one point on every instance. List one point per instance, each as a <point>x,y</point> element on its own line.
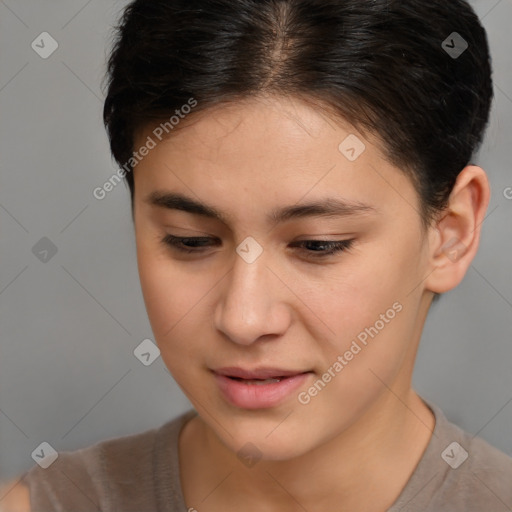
<point>454,239</point>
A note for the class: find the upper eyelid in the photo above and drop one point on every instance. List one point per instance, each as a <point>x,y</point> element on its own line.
<point>204,237</point>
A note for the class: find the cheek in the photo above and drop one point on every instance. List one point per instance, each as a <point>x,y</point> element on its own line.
<point>371,316</point>
<point>360,365</point>
<point>175,300</point>
<point>163,288</point>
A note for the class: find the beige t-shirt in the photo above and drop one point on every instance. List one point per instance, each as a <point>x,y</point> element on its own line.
<point>140,473</point>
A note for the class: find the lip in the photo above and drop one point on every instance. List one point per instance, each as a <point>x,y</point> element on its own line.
<point>258,396</point>
<point>257,373</point>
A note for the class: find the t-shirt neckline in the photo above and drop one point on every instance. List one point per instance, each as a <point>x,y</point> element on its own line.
<point>167,468</point>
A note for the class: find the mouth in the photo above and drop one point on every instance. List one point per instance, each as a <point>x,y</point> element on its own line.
<point>262,373</point>
<point>258,389</point>
<point>258,382</point>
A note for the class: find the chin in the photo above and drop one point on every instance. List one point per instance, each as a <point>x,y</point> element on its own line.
<point>276,450</point>
<point>263,441</point>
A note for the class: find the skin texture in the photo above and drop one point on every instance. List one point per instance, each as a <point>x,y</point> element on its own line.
<point>14,497</point>
<point>367,429</point>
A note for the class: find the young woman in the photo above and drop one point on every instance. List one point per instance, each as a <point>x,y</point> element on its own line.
<point>302,190</point>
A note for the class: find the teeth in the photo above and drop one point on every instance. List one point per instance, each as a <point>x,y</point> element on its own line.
<point>260,382</point>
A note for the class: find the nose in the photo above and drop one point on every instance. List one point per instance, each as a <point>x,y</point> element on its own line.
<point>252,303</point>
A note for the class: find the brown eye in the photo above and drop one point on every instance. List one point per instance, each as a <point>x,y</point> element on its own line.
<point>187,245</point>
<point>322,248</point>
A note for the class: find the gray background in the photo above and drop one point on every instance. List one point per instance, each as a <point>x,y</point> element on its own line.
<point>69,326</point>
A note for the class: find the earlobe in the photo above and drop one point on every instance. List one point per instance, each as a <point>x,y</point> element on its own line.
<point>457,233</point>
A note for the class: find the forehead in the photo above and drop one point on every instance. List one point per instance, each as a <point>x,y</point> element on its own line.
<point>260,124</point>
<point>277,150</point>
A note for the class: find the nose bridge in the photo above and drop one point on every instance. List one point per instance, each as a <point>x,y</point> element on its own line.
<point>248,306</point>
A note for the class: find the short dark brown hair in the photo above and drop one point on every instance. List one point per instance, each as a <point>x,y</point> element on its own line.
<point>380,64</point>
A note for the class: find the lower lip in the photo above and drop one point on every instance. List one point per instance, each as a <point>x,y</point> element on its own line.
<point>258,396</point>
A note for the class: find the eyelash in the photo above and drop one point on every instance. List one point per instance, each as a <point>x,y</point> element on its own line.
<point>335,246</point>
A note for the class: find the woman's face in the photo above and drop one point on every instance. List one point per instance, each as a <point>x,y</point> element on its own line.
<point>261,293</point>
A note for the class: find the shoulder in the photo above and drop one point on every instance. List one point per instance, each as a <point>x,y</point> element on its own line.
<point>458,472</point>
<point>107,475</point>
<point>14,497</point>
<point>472,453</point>
<point>487,471</point>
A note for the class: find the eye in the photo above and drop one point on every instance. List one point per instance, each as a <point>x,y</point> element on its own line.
<point>323,248</point>
<point>186,245</point>
<point>320,248</point>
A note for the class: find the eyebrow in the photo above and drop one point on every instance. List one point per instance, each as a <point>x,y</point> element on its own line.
<point>328,207</point>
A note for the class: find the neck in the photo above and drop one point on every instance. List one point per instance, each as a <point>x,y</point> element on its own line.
<point>378,452</point>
